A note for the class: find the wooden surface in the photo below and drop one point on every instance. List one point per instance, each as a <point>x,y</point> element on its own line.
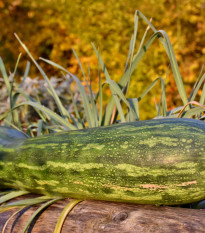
<point>98,216</point>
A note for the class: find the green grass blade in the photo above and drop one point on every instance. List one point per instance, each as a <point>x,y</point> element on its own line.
<point>5,192</point>
<point>92,100</point>
<point>52,114</point>
<point>115,89</point>
<point>25,74</point>
<point>132,51</point>
<point>79,122</point>
<point>151,26</point>
<point>27,202</point>
<point>193,112</point>
<point>202,98</point>
<point>158,108</point>
<point>150,87</point>
<point>137,58</point>
<point>175,68</point>
<point>5,76</point>
<point>129,54</point>
<point>15,115</point>
<point>81,67</point>
<point>136,55</point>
<point>40,127</point>
<point>125,78</point>
<point>15,69</point>
<point>8,220</point>
<point>109,108</point>
<point>100,98</point>
<point>119,108</point>
<point>195,85</point>
<point>62,110</point>
<point>40,107</point>
<point>39,210</point>
<point>182,113</point>
<point>143,38</point>
<point>169,50</point>
<point>134,114</point>
<point>174,111</point>
<point>12,195</point>
<point>82,91</point>
<point>196,88</point>
<point>29,98</point>
<point>134,40</point>
<point>163,99</point>
<point>64,214</point>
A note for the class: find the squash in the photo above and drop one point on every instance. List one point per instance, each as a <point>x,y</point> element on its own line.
<point>158,162</point>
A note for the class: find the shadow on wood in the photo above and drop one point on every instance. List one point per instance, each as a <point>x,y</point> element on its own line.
<point>98,216</point>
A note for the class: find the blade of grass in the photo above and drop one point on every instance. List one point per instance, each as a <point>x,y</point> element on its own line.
<point>169,50</point>
<point>133,47</point>
<point>191,102</point>
<point>79,123</point>
<point>42,115</point>
<point>126,75</point>
<point>137,12</point>
<point>196,88</point>
<point>157,106</point>
<point>62,110</point>
<point>24,202</point>
<point>174,111</point>
<point>92,100</point>
<point>175,68</point>
<point>29,98</point>
<point>202,98</point>
<point>134,104</point>
<point>15,69</point>
<point>115,89</point>
<point>150,87</point>
<point>38,211</point>
<point>5,192</point>
<point>40,128</point>
<point>52,114</point>
<point>143,38</point>
<point>12,195</point>
<point>119,108</point>
<point>195,84</point>
<point>5,76</point>
<point>25,74</point>
<point>100,97</point>
<point>8,220</point>
<point>81,67</point>
<point>64,214</point>
<point>84,96</point>
<point>125,90</point>
<point>129,54</point>
<point>194,112</point>
<point>134,37</point>
<point>15,115</point>
<point>162,101</point>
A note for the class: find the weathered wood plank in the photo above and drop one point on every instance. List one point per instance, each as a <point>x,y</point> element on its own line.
<point>98,216</point>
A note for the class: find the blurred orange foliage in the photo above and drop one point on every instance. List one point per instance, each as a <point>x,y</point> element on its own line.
<point>51,28</point>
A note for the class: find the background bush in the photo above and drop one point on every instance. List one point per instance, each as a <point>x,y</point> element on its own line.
<point>52,28</point>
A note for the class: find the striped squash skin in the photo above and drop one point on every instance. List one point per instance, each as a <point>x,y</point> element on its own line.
<point>147,162</point>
